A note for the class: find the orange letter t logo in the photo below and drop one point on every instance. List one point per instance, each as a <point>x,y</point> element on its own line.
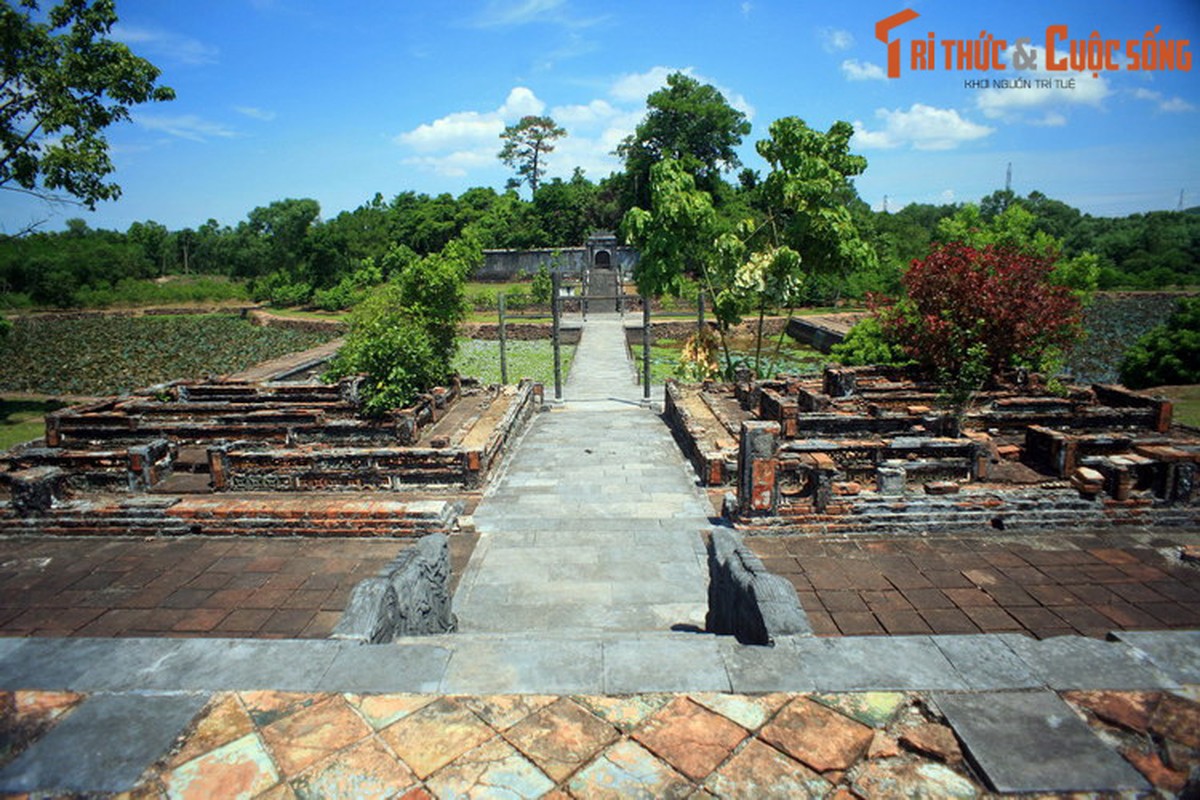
<point>881,33</point>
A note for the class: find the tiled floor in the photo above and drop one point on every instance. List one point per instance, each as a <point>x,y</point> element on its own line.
<point>1046,585</point>
<point>291,745</point>
<point>191,586</point>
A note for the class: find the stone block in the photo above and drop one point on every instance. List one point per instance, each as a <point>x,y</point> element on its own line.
<point>1087,481</point>
<point>744,599</point>
<point>410,598</point>
<point>34,490</point>
<point>942,487</point>
<point>846,488</point>
<point>889,480</point>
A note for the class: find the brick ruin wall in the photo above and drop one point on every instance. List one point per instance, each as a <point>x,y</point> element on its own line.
<point>864,449</point>
<point>299,437</point>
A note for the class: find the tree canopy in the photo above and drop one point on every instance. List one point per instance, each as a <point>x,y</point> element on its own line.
<point>689,122</point>
<point>526,144</point>
<point>62,83</point>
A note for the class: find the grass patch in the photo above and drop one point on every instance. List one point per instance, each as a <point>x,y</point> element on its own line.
<point>23,420</point>
<point>100,355</point>
<point>479,358</point>
<point>1186,400</point>
<point>793,358</point>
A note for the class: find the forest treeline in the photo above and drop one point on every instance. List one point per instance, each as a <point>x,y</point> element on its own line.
<point>287,253</point>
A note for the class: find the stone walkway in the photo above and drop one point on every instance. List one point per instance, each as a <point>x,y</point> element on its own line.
<point>567,680</point>
<point>596,524</point>
<point>662,716</point>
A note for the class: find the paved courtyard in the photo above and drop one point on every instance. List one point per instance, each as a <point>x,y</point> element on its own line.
<point>946,667</point>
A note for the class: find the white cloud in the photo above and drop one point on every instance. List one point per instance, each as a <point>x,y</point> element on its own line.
<point>1170,105</point>
<point>509,13</point>
<point>582,116</point>
<point>1037,104</point>
<point>463,129</point>
<point>465,142</point>
<point>856,70</point>
<point>253,112</point>
<point>746,7</point>
<point>1016,104</point>
<point>921,127</point>
<point>455,164</point>
<point>506,12</point>
<point>165,45</point>
<point>834,40</point>
<point>635,87</point>
<point>185,126</point>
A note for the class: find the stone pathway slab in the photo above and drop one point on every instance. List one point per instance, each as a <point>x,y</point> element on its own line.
<point>104,745</point>
<point>1033,742</point>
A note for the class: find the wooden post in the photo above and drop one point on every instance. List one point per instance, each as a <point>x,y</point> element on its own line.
<point>700,314</point>
<point>503,342</point>
<point>646,348</point>
<point>556,315</point>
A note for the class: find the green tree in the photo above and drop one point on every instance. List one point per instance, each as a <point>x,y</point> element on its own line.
<point>688,122</point>
<point>402,336</point>
<point>525,145</point>
<point>676,236</point>
<point>1168,354</point>
<point>809,196</point>
<point>62,83</point>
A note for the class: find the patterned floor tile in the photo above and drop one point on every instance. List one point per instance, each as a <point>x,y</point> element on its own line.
<point>626,713</point>
<point>502,711</point>
<point>267,706</point>
<point>432,737</point>
<point>876,709</point>
<point>561,737</point>
<point>381,710</point>
<point>628,770</point>
<point>690,738</point>
<point>221,722</point>
<point>818,736</point>
<point>494,769</point>
<point>761,771</point>
<point>304,737</point>
<point>364,771</point>
<point>240,769</point>
<point>749,712</point>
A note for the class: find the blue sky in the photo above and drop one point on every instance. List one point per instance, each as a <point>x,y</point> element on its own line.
<point>340,100</point>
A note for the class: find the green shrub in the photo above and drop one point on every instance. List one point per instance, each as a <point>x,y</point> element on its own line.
<point>395,353</point>
<point>542,287</point>
<point>865,345</point>
<point>1168,354</point>
<point>403,335</point>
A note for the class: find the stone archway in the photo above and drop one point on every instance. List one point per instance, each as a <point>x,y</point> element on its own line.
<point>603,260</point>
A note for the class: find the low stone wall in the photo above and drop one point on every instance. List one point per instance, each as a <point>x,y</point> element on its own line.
<point>744,599</point>
<point>710,464</point>
<point>159,515</point>
<point>250,466</point>
<point>410,597</point>
<point>133,469</point>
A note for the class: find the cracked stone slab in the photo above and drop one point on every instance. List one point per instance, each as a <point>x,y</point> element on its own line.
<point>104,745</point>
<point>387,668</point>
<point>859,663</point>
<point>80,664</point>
<point>1175,653</point>
<point>1077,662</point>
<point>1031,741</point>
<point>240,664</point>
<point>684,663</point>
<point>986,662</point>
<point>521,665</point>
